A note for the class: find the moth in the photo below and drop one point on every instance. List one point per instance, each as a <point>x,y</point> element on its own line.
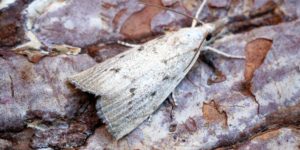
<point>133,84</point>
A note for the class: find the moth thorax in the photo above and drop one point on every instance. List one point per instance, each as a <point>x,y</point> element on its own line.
<point>209,27</point>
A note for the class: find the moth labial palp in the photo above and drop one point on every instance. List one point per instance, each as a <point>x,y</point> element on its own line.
<point>152,71</point>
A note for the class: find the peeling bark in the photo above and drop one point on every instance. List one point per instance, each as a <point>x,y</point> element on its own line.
<point>222,103</point>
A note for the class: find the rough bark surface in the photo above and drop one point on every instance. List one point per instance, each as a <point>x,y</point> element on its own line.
<point>222,103</point>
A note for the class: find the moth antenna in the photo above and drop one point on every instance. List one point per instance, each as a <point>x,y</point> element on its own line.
<point>194,23</point>
<point>172,10</point>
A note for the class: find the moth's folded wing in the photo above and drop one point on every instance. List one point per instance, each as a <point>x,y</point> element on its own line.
<point>124,111</point>
<point>124,108</point>
<point>92,80</point>
<point>87,79</point>
<point>134,85</point>
<point>128,96</point>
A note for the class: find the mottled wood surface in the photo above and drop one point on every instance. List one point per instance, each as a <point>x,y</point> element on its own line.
<point>221,103</point>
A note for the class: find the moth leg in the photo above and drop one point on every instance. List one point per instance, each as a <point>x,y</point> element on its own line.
<point>172,99</point>
<point>194,23</point>
<point>173,103</point>
<point>128,44</point>
<point>222,53</point>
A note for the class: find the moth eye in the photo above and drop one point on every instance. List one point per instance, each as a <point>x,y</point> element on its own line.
<point>208,37</point>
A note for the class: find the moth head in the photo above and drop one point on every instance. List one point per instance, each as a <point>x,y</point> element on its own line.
<point>215,28</point>
<point>210,29</point>
<point>208,36</point>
